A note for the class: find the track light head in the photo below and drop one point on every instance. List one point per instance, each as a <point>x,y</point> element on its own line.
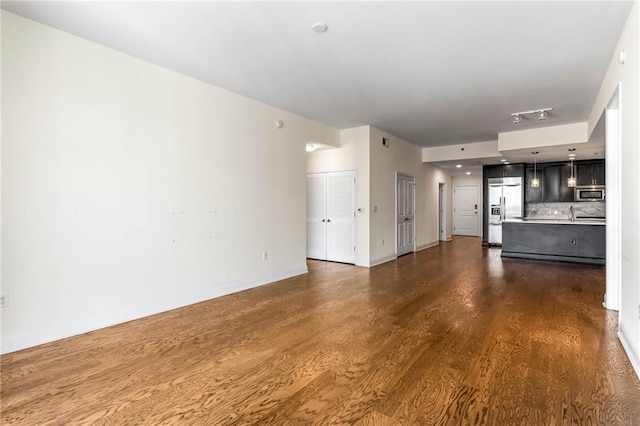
<point>542,114</point>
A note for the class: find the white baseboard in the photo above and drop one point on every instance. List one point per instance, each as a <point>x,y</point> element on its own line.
<point>23,341</point>
<point>632,353</point>
<point>427,245</point>
<point>384,259</point>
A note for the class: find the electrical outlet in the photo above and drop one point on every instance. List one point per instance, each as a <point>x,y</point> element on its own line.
<point>4,301</point>
<point>265,255</point>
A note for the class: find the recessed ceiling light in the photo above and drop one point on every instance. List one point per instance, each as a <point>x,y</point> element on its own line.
<point>468,173</point>
<point>571,155</point>
<point>503,160</point>
<point>319,27</point>
<point>458,165</point>
<point>506,162</point>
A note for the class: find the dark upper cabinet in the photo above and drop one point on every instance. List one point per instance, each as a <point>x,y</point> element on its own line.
<point>533,195</point>
<point>590,173</point>
<point>492,172</point>
<point>567,194</point>
<point>599,173</point>
<point>551,184</point>
<point>504,170</point>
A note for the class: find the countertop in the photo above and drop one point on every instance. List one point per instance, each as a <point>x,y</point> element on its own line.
<point>558,221</point>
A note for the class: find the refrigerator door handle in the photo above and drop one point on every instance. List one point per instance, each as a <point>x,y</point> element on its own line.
<point>502,210</point>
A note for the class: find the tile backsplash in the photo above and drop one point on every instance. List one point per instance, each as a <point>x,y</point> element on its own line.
<point>561,210</point>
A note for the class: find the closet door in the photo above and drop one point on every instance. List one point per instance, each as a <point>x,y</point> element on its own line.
<point>316,216</point>
<point>405,210</point>
<point>340,217</point>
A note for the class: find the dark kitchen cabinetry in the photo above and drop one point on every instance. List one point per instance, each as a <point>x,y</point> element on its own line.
<point>505,170</point>
<point>553,184</point>
<point>533,195</point>
<point>572,242</point>
<point>567,193</point>
<point>590,173</point>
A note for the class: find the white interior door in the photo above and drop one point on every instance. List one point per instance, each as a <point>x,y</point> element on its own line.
<point>340,217</point>
<point>405,214</point>
<point>331,216</point>
<point>465,210</point>
<point>316,216</point>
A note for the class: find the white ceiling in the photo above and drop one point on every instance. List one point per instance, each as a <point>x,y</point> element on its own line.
<point>432,73</point>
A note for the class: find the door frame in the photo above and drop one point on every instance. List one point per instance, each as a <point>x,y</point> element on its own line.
<point>478,223</point>
<point>613,143</point>
<point>442,212</point>
<point>395,216</point>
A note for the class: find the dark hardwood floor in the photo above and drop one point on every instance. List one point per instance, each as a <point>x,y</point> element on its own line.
<point>449,335</point>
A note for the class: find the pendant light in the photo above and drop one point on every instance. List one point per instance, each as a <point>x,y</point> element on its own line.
<point>571,181</point>
<point>535,182</point>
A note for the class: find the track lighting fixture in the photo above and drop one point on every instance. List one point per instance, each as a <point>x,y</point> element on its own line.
<point>542,114</point>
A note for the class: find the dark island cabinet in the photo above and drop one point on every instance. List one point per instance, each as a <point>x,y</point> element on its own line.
<point>571,242</point>
<point>590,173</point>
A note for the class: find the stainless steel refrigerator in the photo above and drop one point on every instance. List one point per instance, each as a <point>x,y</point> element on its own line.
<point>505,203</point>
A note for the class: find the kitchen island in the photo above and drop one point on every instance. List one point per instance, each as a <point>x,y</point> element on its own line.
<point>565,241</point>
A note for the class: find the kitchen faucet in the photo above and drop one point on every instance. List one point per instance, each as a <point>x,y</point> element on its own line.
<point>572,217</point>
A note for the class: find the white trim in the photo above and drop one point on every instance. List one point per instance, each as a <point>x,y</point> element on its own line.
<point>23,341</point>
<point>634,357</point>
<point>613,169</point>
<point>427,245</point>
<point>382,260</point>
<point>441,217</point>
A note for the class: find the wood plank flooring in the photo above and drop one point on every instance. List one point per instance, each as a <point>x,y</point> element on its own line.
<point>450,335</point>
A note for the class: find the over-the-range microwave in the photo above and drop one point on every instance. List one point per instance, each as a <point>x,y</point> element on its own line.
<point>590,193</point>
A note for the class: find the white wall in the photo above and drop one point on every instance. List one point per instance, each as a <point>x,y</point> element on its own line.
<point>464,180</point>
<point>129,189</point>
<point>488,149</point>
<point>543,136</point>
<point>376,168</point>
<point>318,133</point>
<point>405,158</point>
<point>353,155</point>
<point>629,75</point>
